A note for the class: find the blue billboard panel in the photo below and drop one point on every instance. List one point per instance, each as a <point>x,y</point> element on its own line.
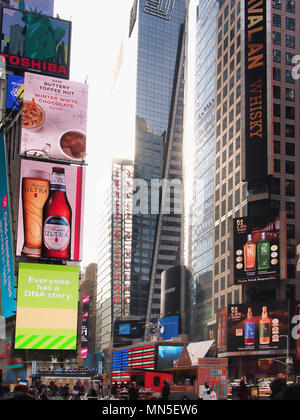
<point>36,43</point>
<point>7,272</point>
<point>15,90</point>
<point>169,327</point>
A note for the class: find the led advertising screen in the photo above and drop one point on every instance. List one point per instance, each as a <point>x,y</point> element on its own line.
<point>50,222</point>
<point>124,329</point>
<point>85,326</point>
<point>36,43</point>
<point>47,307</point>
<point>134,358</point>
<point>167,355</point>
<point>7,272</point>
<point>257,327</point>
<point>54,118</point>
<point>44,7</point>
<point>256,242</point>
<point>15,90</point>
<point>256,90</point>
<point>169,327</point>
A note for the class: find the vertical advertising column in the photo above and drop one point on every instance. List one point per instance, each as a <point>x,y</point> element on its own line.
<point>117,241</point>
<point>127,217</point>
<point>7,271</point>
<point>256,138</point>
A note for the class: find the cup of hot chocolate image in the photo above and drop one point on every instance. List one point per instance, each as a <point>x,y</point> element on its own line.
<point>33,116</point>
<point>73,144</point>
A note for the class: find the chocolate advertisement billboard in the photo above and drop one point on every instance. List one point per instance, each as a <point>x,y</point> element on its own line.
<point>256,106</point>
<point>47,307</point>
<point>7,271</point>
<point>43,7</point>
<point>36,43</point>
<point>54,118</point>
<point>50,220</point>
<point>257,248</point>
<point>257,327</point>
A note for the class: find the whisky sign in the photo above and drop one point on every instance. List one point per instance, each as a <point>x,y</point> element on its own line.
<point>256,147</point>
<point>257,248</point>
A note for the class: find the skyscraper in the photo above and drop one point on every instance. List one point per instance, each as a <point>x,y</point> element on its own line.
<point>202,215</point>
<point>160,29</point>
<point>255,153</point>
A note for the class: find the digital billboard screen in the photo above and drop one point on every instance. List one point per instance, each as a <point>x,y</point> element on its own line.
<point>169,327</point>
<point>54,118</point>
<point>256,90</point>
<point>50,222</point>
<point>257,327</point>
<point>85,326</point>
<point>256,242</point>
<point>7,271</point>
<point>36,43</point>
<point>124,329</point>
<point>15,90</point>
<point>44,7</point>
<point>47,307</point>
<point>167,355</point>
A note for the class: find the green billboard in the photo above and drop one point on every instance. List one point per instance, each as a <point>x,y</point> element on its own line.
<point>47,307</point>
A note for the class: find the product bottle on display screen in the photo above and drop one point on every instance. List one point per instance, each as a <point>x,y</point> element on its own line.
<point>250,254</point>
<point>57,216</point>
<point>249,329</point>
<point>265,327</point>
<point>263,253</point>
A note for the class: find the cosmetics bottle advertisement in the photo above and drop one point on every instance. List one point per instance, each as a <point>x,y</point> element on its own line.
<point>257,248</point>
<point>257,327</point>
<point>50,222</point>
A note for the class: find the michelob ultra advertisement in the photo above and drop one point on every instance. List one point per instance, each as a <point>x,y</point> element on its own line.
<point>54,118</point>
<point>50,223</point>
<point>47,307</point>
<point>256,242</point>
<point>257,327</point>
<point>34,42</point>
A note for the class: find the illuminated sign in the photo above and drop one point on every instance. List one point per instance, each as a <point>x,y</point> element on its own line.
<point>54,118</point>
<point>7,271</point>
<point>257,247</point>
<point>122,236</point>
<point>84,326</point>
<point>44,7</point>
<point>37,43</point>
<point>50,218</point>
<point>47,307</point>
<point>136,358</point>
<point>256,89</point>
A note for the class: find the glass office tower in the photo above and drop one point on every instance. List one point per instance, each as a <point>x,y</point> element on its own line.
<point>156,244</point>
<point>202,218</point>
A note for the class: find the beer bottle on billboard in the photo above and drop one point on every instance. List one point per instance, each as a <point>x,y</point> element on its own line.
<point>57,217</point>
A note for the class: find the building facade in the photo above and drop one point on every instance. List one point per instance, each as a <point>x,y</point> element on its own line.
<point>202,215</point>
<point>156,244</point>
<point>256,154</point>
<point>114,284</point>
